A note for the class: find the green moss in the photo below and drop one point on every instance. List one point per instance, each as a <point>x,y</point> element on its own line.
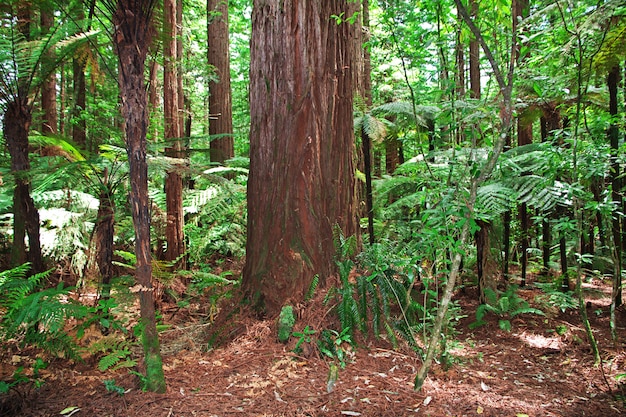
<point>155,379</point>
<point>286,320</point>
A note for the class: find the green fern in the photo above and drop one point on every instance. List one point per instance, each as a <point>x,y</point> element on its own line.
<point>311,291</point>
<point>117,352</point>
<point>506,306</point>
<point>37,317</point>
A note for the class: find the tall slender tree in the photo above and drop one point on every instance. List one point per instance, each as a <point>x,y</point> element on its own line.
<point>301,183</point>
<point>131,19</point>
<point>220,101</point>
<point>48,87</point>
<point>521,10</point>
<point>172,92</point>
<point>79,124</point>
<point>613,79</point>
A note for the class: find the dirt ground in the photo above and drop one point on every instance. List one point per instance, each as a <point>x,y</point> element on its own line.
<point>531,371</point>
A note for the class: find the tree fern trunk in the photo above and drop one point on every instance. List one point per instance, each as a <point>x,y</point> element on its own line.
<point>16,122</point>
<point>131,38</point>
<point>104,234</point>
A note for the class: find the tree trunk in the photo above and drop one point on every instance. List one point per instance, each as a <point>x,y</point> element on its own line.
<point>48,87</point>
<point>460,62</point>
<point>174,233</point>
<point>391,153</point>
<point>79,126</point>
<point>220,100</point>
<point>524,137</point>
<point>301,182</point>
<point>369,199</point>
<point>367,59</point>
<point>17,120</point>
<point>474,56</point>
<point>483,244</point>
<point>131,40</point>
<point>613,134</point>
<point>104,234</point>
<point>62,98</point>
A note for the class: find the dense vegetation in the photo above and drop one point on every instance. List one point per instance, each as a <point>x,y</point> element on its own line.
<point>488,148</point>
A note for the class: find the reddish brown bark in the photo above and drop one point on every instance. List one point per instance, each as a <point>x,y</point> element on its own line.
<point>220,100</point>
<point>48,87</point>
<point>104,235</point>
<point>301,180</point>
<point>172,92</point>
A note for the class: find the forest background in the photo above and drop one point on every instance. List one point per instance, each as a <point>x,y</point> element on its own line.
<point>368,158</point>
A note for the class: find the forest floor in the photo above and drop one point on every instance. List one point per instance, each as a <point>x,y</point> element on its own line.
<point>542,367</point>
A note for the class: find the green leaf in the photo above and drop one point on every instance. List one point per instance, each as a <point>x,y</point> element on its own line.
<point>505,325</point>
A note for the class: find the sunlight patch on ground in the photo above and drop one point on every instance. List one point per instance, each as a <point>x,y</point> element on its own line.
<point>540,342</point>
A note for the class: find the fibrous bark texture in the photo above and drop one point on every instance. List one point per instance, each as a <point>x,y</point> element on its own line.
<point>220,101</point>
<point>301,180</point>
<point>131,40</point>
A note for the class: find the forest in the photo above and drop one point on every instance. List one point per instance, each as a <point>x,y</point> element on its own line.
<point>312,207</point>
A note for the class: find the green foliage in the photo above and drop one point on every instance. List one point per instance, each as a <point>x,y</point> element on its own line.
<point>311,291</point>
<point>506,306</point>
<point>116,352</point>
<point>334,345</point>
<point>554,296</point>
<point>36,316</point>
<point>111,386</point>
<point>19,377</point>
<point>286,320</point>
<point>303,337</point>
<point>216,223</point>
<point>210,288</point>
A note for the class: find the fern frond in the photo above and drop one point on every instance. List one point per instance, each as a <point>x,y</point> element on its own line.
<point>362,295</point>
<point>311,291</point>
<point>495,198</point>
<point>112,359</point>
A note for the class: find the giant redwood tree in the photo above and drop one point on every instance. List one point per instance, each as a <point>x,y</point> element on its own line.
<point>131,40</point>
<point>301,182</point>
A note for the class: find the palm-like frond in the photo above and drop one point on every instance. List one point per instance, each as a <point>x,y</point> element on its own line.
<point>374,128</point>
<point>494,199</point>
<point>24,64</point>
<point>420,114</point>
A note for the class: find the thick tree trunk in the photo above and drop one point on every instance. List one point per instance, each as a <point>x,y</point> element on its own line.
<point>17,120</point>
<point>301,182</point>
<point>131,40</point>
<point>220,100</point>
